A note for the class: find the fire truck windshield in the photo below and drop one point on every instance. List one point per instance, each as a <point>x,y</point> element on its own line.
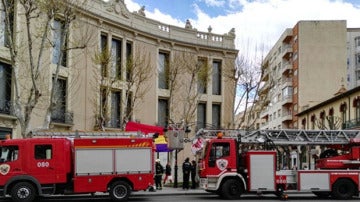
<point>9,153</point>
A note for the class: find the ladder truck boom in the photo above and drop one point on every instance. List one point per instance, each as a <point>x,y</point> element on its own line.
<point>286,136</point>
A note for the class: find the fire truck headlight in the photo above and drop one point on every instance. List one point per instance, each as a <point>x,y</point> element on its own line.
<point>246,171</point>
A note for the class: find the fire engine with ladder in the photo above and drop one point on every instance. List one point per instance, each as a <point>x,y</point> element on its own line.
<point>234,162</point>
<point>55,163</point>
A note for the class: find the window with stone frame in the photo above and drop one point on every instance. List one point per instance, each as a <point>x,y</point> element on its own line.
<point>59,99</point>
<point>59,52</point>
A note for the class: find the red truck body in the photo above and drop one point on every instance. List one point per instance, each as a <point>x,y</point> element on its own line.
<point>49,166</point>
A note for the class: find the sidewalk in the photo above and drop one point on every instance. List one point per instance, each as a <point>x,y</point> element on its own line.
<point>166,190</point>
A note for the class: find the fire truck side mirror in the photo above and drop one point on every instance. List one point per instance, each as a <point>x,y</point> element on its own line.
<point>156,135</point>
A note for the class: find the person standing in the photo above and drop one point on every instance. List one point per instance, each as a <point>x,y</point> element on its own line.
<point>193,174</point>
<point>159,170</point>
<point>186,167</point>
<point>168,173</point>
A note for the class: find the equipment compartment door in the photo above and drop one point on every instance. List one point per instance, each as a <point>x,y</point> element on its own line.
<point>262,172</point>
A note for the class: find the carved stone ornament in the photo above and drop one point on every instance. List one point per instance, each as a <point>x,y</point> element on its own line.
<point>118,7</point>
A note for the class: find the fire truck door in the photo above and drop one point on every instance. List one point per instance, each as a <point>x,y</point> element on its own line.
<point>43,165</point>
<point>219,158</point>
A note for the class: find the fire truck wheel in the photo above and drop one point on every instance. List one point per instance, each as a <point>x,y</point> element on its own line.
<point>23,192</point>
<point>231,189</point>
<point>343,189</point>
<point>120,191</point>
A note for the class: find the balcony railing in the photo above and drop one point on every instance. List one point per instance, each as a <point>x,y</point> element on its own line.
<point>5,106</point>
<point>351,124</point>
<point>60,117</point>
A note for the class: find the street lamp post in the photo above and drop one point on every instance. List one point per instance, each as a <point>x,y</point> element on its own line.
<point>176,170</point>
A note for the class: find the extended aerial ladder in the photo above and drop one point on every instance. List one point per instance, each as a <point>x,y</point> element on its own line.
<point>286,136</point>
<point>87,134</point>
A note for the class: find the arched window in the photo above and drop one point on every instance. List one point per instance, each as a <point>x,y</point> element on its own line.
<point>322,120</point>
<point>356,105</point>
<point>303,123</point>
<point>313,119</point>
<point>343,109</point>
<point>331,119</point>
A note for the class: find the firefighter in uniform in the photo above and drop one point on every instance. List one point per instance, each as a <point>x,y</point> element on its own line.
<point>186,167</point>
<point>159,170</point>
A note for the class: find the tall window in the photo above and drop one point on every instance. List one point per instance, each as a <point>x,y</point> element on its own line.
<point>322,120</point>
<point>58,113</point>
<point>115,59</point>
<point>129,105</point>
<point>201,116</point>
<point>5,88</point>
<point>59,50</point>
<point>357,60</point>
<point>5,132</point>
<point>313,119</point>
<point>202,75</point>
<point>216,114</point>
<point>216,78</point>
<point>331,119</point>
<point>129,61</point>
<point>357,41</point>
<point>163,70</point>
<point>115,110</point>
<point>104,46</point>
<point>343,109</point>
<point>4,36</point>
<point>163,112</point>
<point>103,104</point>
<point>356,104</point>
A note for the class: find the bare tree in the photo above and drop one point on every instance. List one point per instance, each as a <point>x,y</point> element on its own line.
<point>38,16</point>
<point>247,76</point>
<point>138,72</point>
<point>329,123</point>
<point>187,76</point>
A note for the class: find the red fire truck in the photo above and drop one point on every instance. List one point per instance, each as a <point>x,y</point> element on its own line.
<point>117,163</point>
<point>236,162</point>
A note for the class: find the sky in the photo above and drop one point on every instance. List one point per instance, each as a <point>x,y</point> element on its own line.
<point>258,23</point>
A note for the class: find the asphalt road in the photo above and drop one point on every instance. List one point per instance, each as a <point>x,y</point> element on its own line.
<point>183,198</point>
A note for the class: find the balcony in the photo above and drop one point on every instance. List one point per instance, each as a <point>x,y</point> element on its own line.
<point>351,124</point>
<point>287,53</point>
<point>286,68</point>
<point>66,118</point>
<point>286,116</point>
<point>286,100</point>
<point>265,88</point>
<point>265,76</point>
<point>287,82</point>
<point>5,106</point>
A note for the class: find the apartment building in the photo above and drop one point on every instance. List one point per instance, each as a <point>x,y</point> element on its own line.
<point>90,94</point>
<point>306,66</point>
<point>353,60</point>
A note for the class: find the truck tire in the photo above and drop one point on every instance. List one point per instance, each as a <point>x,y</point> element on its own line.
<point>231,189</point>
<point>120,191</point>
<point>23,192</point>
<point>343,189</point>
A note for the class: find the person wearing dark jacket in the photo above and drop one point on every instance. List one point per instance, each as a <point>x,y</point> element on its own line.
<point>193,174</point>
<point>159,170</point>
<point>186,167</point>
<point>168,173</point>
